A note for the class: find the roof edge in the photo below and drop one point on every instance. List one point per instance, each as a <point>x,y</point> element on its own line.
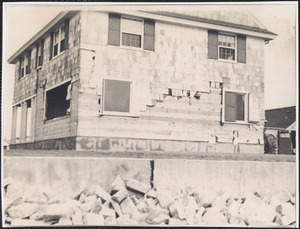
<point>38,35</point>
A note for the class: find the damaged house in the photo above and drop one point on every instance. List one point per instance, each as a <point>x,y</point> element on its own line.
<point>140,81</point>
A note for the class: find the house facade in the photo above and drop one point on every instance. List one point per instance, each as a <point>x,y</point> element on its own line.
<point>141,82</point>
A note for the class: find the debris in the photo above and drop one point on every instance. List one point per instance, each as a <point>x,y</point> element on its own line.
<point>137,186</point>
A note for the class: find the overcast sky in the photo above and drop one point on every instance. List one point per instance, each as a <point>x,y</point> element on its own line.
<point>20,23</point>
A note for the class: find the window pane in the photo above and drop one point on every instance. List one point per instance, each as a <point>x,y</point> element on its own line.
<point>131,26</point>
<point>226,53</point>
<point>240,107</point>
<point>117,96</point>
<point>131,40</point>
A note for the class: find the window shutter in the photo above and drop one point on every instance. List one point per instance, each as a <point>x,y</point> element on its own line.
<point>29,62</point>
<point>149,35</point>
<point>67,22</point>
<point>241,49</point>
<point>230,107</point>
<point>212,44</point>
<point>20,66</point>
<point>114,29</point>
<point>37,56</point>
<point>42,53</point>
<point>51,45</point>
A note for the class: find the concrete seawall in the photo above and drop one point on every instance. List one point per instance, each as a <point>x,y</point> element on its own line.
<point>237,177</point>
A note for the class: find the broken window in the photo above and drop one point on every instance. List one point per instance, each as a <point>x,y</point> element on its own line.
<point>116,96</point>
<point>235,106</point>
<point>57,102</point>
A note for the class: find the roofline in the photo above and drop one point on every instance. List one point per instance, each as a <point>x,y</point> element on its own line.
<point>157,15</point>
<point>41,33</point>
<point>213,21</point>
<point>280,108</point>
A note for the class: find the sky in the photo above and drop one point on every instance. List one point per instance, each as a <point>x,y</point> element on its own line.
<point>21,22</point>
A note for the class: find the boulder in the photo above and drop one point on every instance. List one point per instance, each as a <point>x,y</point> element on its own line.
<point>142,206</point>
<point>176,222</point>
<point>28,222</point>
<point>118,184</point>
<point>177,210</point>
<point>151,202</point>
<point>165,199</point>
<point>23,210</point>
<point>35,194</point>
<point>139,217</point>
<point>214,216</point>
<point>91,198</point>
<point>116,207</point>
<point>93,219</point>
<point>284,196</point>
<point>234,207</point>
<point>120,195</point>
<point>53,212</point>
<point>100,192</point>
<point>278,219</point>
<point>151,193</point>
<point>107,212</point>
<point>7,181</point>
<point>137,186</point>
<point>76,217</point>
<point>96,206</point>
<point>110,220</point>
<point>124,220</point>
<point>157,215</point>
<point>65,221</point>
<point>14,193</point>
<point>128,207</point>
<point>288,220</point>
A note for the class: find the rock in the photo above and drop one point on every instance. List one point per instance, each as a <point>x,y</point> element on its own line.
<point>288,209</point>
<point>118,184</point>
<point>27,222</point>
<point>165,199</point>
<point>65,221</point>
<point>107,212</point>
<point>151,202</point>
<point>234,208</point>
<point>288,220</point>
<point>23,210</point>
<point>220,200</point>
<point>274,201</point>
<point>77,193</point>
<point>278,219</point>
<point>292,200</point>
<point>151,193</point>
<point>14,193</point>
<point>128,207</point>
<point>120,195</point>
<point>250,206</point>
<point>176,222</point>
<point>86,207</point>
<point>236,220</point>
<point>116,207</point>
<point>35,194</point>
<point>135,200</point>
<point>93,219</point>
<point>203,199</point>
<point>7,181</point>
<point>96,206</point>
<point>192,207</point>
<point>198,216</point>
<point>157,215</point>
<point>90,190</point>
<point>58,198</point>
<point>54,212</point>
<point>284,196</point>
<point>142,206</point>
<point>124,220</point>
<point>214,216</point>
<point>111,220</point>
<point>102,193</point>
<point>91,198</point>
<point>77,217</point>
<point>263,215</point>
<point>137,186</point>
<point>177,210</point>
<point>82,198</point>
<point>139,217</point>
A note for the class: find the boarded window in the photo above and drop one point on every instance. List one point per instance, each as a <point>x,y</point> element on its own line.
<point>235,107</point>
<point>56,103</point>
<point>241,49</point>
<point>213,44</point>
<point>114,29</point>
<point>116,96</point>
<point>149,35</point>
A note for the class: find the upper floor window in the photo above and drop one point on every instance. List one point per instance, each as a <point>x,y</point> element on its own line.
<point>131,32</point>
<point>39,53</point>
<point>59,40</point>
<point>235,107</point>
<point>226,47</point>
<point>25,65</point>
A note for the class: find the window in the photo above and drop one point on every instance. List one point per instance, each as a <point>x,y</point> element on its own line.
<point>235,107</point>
<point>39,54</point>
<point>25,65</point>
<point>136,33</point>
<point>59,39</point>
<point>18,122</point>
<point>57,101</point>
<point>28,120</point>
<point>22,68</point>
<point>116,96</point>
<point>28,63</point>
<point>226,47</point>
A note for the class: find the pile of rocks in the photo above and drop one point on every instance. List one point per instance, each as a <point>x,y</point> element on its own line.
<point>132,202</point>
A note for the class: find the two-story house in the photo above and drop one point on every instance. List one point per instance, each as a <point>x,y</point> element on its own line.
<point>139,81</point>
